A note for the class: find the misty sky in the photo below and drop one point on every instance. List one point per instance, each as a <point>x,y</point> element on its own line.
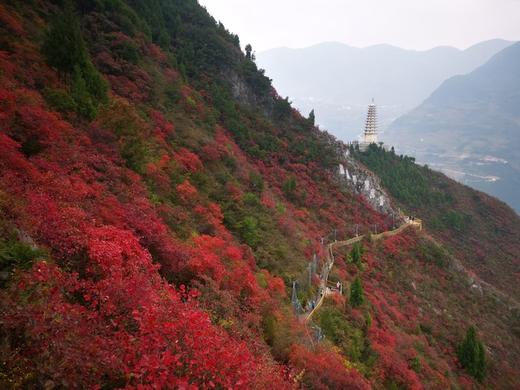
<point>411,24</point>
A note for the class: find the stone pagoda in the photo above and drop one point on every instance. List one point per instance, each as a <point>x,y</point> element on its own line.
<point>370,134</point>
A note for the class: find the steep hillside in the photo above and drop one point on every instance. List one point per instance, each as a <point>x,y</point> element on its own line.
<point>338,80</point>
<point>473,278</point>
<point>157,201</point>
<point>470,127</point>
<point>417,305</point>
<point>479,230</point>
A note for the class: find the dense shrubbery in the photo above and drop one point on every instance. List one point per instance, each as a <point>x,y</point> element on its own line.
<point>149,203</point>
<point>452,220</point>
<point>152,246</point>
<point>64,49</point>
<point>406,181</point>
<point>346,335</point>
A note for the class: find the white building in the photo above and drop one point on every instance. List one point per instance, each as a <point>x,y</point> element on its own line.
<point>370,133</point>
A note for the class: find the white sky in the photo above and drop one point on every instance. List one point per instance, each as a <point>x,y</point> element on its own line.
<point>410,24</point>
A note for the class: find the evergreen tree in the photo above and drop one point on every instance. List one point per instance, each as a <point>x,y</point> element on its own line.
<point>312,118</point>
<point>357,296</point>
<point>249,231</point>
<point>471,354</point>
<point>356,254</point>
<point>249,49</point>
<point>79,92</point>
<point>64,48</point>
<point>289,188</point>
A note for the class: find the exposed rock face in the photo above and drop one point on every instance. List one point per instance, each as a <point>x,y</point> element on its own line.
<point>362,181</point>
<point>241,90</point>
<point>246,96</point>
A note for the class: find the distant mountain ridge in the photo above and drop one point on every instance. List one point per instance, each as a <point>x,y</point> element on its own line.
<point>470,126</point>
<point>338,80</point>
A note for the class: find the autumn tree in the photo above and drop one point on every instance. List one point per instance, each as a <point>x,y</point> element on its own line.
<point>471,354</point>
<point>357,296</point>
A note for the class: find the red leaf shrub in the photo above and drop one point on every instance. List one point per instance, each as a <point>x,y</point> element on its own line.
<point>186,191</point>
<point>323,369</point>
<point>188,160</point>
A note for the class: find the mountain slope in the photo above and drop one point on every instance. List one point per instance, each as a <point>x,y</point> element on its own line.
<point>158,200</point>
<point>480,112</point>
<point>456,215</point>
<point>338,80</point>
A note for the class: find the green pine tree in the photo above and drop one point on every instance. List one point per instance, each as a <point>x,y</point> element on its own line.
<point>79,91</point>
<point>357,296</point>
<point>64,47</point>
<point>249,49</point>
<point>65,50</point>
<point>472,355</point>
<point>289,188</point>
<point>249,231</point>
<point>312,118</point>
<point>356,254</point>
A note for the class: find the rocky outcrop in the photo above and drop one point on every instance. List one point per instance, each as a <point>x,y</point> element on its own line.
<point>240,90</point>
<point>362,181</point>
<point>245,95</point>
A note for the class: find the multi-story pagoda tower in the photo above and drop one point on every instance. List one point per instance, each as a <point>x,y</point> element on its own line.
<point>370,134</point>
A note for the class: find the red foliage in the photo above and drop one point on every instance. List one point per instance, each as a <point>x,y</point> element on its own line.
<point>275,285</point>
<point>325,370</point>
<point>11,20</point>
<point>158,174</point>
<point>125,323</point>
<point>208,260</point>
<point>213,216</point>
<point>188,160</point>
<point>171,75</point>
<point>186,191</point>
<point>136,90</point>
<point>163,129</point>
<point>211,152</point>
<point>226,264</point>
<point>398,244</point>
<point>267,200</point>
<point>234,191</point>
<point>103,312</point>
<point>120,321</point>
<point>156,53</point>
<point>338,299</point>
<point>391,365</point>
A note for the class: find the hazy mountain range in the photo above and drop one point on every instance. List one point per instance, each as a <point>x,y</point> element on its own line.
<point>470,127</point>
<point>338,80</point>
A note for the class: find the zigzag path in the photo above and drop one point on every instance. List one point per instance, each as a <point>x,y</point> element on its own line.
<point>324,278</point>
